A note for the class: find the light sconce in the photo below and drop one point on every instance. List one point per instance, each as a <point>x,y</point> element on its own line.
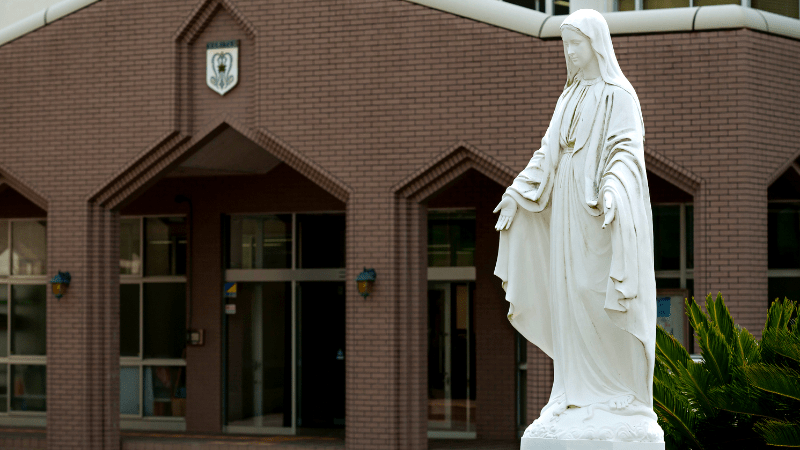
<point>60,283</point>
<point>365,281</point>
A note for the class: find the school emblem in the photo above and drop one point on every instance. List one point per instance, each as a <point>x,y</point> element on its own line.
<point>222,65</point>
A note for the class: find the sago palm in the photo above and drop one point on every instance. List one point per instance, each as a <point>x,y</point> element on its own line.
<point>744,391</point>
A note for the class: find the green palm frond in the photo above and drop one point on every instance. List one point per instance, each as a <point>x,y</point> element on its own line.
<point>779,433</point>
<point>676,411</point>
<point>715,352</point>
<point>719,315</point>
<point>697,318</point>
<point>669,350</point>
<point>749,346</point>
<point>695,381</point>
<point>782,342</point>
<point>781,381</point>
<point>779,315</point>
<point>741,398</point>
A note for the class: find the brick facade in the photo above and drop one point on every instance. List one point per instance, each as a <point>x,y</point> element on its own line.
<point>374,107</point>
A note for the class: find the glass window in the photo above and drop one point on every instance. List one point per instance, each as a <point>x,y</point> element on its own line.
<point>129,320</point>
<point>3,321</point>
<point>129,390</point>
<point>260,242</point>
<point>164,327</point>
<point>667,237</point>
<point>659,4</point>
<point>153,316</point>
<point>3,388</point>
<point>164,391</point>
<point>28,319</point>
<point>166,246</point>
<point>788,8</point>
<point>130,258</point>
<point>451,238</point>
<point>29,386</point>
<point>321,241</point>
<point>5,255</point>
<point>689,237</point>
<point>783,222</point>
<point>29,244</point>
<point>784,287</point>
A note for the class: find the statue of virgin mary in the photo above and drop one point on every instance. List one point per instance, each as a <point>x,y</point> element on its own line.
<point>576,250</point>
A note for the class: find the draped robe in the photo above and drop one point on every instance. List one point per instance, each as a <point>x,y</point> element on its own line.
<point>584,294</point>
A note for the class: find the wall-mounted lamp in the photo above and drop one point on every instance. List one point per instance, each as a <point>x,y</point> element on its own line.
<point>60,283</point>
<point>365,281</point>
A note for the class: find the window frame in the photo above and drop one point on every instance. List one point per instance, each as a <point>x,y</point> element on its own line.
<point>11,417</point>
<point>140,421</point>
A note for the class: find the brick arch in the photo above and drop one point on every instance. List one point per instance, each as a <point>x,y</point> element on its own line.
<point>671,172</point>
<point>174,147</point>
<point>9,180</point>
<point>410,245</point>
<point>448,166</point>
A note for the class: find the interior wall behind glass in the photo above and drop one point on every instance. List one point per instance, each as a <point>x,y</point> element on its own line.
<point>788,8</point>
<point>130,258</point>
<point>5,255</point>
<point>260,242</point>
<point>29,242</point>
<point>165,250</point>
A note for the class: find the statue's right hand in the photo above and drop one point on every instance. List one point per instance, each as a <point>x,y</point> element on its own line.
<point>507,208</point>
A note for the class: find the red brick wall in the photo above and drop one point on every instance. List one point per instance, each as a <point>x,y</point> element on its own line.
<point>370,91</point>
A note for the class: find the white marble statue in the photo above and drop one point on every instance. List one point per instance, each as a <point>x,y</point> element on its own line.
<point>576,251</point>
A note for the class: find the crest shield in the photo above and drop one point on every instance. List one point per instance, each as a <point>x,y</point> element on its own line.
<point>222,65</point>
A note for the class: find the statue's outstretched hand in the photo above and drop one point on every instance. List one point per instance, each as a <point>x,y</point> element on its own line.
<point>507,208</point>
<point>609,208</point>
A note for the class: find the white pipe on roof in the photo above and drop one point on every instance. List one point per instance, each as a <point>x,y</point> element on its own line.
<point>525,21</point>
<point>42,18</point>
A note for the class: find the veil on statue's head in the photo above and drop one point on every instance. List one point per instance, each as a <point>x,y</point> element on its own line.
<point>594,26</point>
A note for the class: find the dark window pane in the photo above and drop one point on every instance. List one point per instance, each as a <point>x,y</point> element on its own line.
<point>28,388</point>
<point>166,246</point>
<point>627,5</point>
<point>784,235</point>
<point>129,320</point>
<point>29,243</point>
<point>3,320</point>
<point>668,283</point>
<point>130,258</point>
<point>321,240</point>
<point>5,255</point>
<point>689,237</point>
<point>659,4</point>
<point>28,319</point>
<point>3,387</point>
<point>164,391</point>
<point>780,288</point>
<point>451,238</point>
<point>788,8</point>
<point>129,390</point>
<point>164,320</point>
<point>560,7</point>
<point>667,237</point>
<point>536,5</point>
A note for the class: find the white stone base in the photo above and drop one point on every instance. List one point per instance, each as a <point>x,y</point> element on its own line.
<point>563,444</point>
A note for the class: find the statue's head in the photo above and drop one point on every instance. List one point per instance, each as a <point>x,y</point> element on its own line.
<point>587,39</point>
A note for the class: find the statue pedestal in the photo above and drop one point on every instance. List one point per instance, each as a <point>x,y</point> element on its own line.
<point>576,444</point>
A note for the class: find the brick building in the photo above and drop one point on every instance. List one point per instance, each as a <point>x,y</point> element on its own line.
<point>361,133</point>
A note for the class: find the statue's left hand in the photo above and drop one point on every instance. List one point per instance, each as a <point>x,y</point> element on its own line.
<point>609,208</point>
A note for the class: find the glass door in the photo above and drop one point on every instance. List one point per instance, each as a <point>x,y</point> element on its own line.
<point>451,360</point>
<point>259,355</point>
